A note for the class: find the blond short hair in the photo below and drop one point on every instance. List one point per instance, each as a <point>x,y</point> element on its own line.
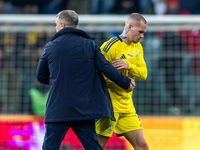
<point>135,19</point>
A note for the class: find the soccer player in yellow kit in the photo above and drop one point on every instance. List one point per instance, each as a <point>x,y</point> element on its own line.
<point>126,54</point>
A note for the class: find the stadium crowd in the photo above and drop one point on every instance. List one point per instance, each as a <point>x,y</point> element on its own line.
<point>97,6</point>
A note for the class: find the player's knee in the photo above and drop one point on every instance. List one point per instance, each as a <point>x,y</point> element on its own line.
<point>142,146</point>
<point>102,141</point>
<point>146,147</point>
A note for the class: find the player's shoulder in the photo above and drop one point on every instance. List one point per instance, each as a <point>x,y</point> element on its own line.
<point>138,46</point>
<point>111,43</point>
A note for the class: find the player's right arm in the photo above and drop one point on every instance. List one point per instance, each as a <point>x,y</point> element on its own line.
<point>110,71</point>
<point>107,50</point>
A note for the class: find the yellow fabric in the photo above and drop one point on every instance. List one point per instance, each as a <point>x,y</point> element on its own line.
<point>123,124</point>
<point>33,36</point>
<point>115,49</point>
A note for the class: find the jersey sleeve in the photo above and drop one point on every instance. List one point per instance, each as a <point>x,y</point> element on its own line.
<point>139,70</point>
<point>107,51</point>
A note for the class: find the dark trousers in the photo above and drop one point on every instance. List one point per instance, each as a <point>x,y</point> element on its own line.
<point>84,130</point>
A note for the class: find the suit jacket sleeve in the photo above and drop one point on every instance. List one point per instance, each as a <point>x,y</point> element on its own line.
<point>42,72</point>
<point>109,71</point>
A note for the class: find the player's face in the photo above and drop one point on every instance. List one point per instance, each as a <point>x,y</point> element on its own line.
<point>58,25</point>
<point>136,33</point>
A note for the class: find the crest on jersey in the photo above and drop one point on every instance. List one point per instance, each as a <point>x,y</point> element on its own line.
<point>136,54</point>
<point>110,129</point>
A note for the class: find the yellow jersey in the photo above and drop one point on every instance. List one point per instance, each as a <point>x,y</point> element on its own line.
<point>116,49</point>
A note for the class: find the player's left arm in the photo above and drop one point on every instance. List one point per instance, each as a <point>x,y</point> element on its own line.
<point>139,70</point>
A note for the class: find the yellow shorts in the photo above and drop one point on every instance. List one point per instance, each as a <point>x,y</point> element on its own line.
<point>125,122</point>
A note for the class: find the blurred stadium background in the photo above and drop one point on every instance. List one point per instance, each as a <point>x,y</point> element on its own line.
<point>168,102</point>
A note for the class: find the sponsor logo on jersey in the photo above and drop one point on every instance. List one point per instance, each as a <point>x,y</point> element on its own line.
<point>123,56</point>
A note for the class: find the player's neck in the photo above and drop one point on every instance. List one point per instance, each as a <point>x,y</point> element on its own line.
<point>126,41</point>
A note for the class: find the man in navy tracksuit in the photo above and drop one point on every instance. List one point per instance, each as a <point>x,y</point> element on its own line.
<point>72,65</point>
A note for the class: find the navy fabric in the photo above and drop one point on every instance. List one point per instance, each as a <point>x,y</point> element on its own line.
<point>84,130</point>
<point>72,64</point>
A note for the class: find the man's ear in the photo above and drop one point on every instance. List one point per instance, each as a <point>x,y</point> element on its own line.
<point>129,26</point>
<point>63,25</point>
